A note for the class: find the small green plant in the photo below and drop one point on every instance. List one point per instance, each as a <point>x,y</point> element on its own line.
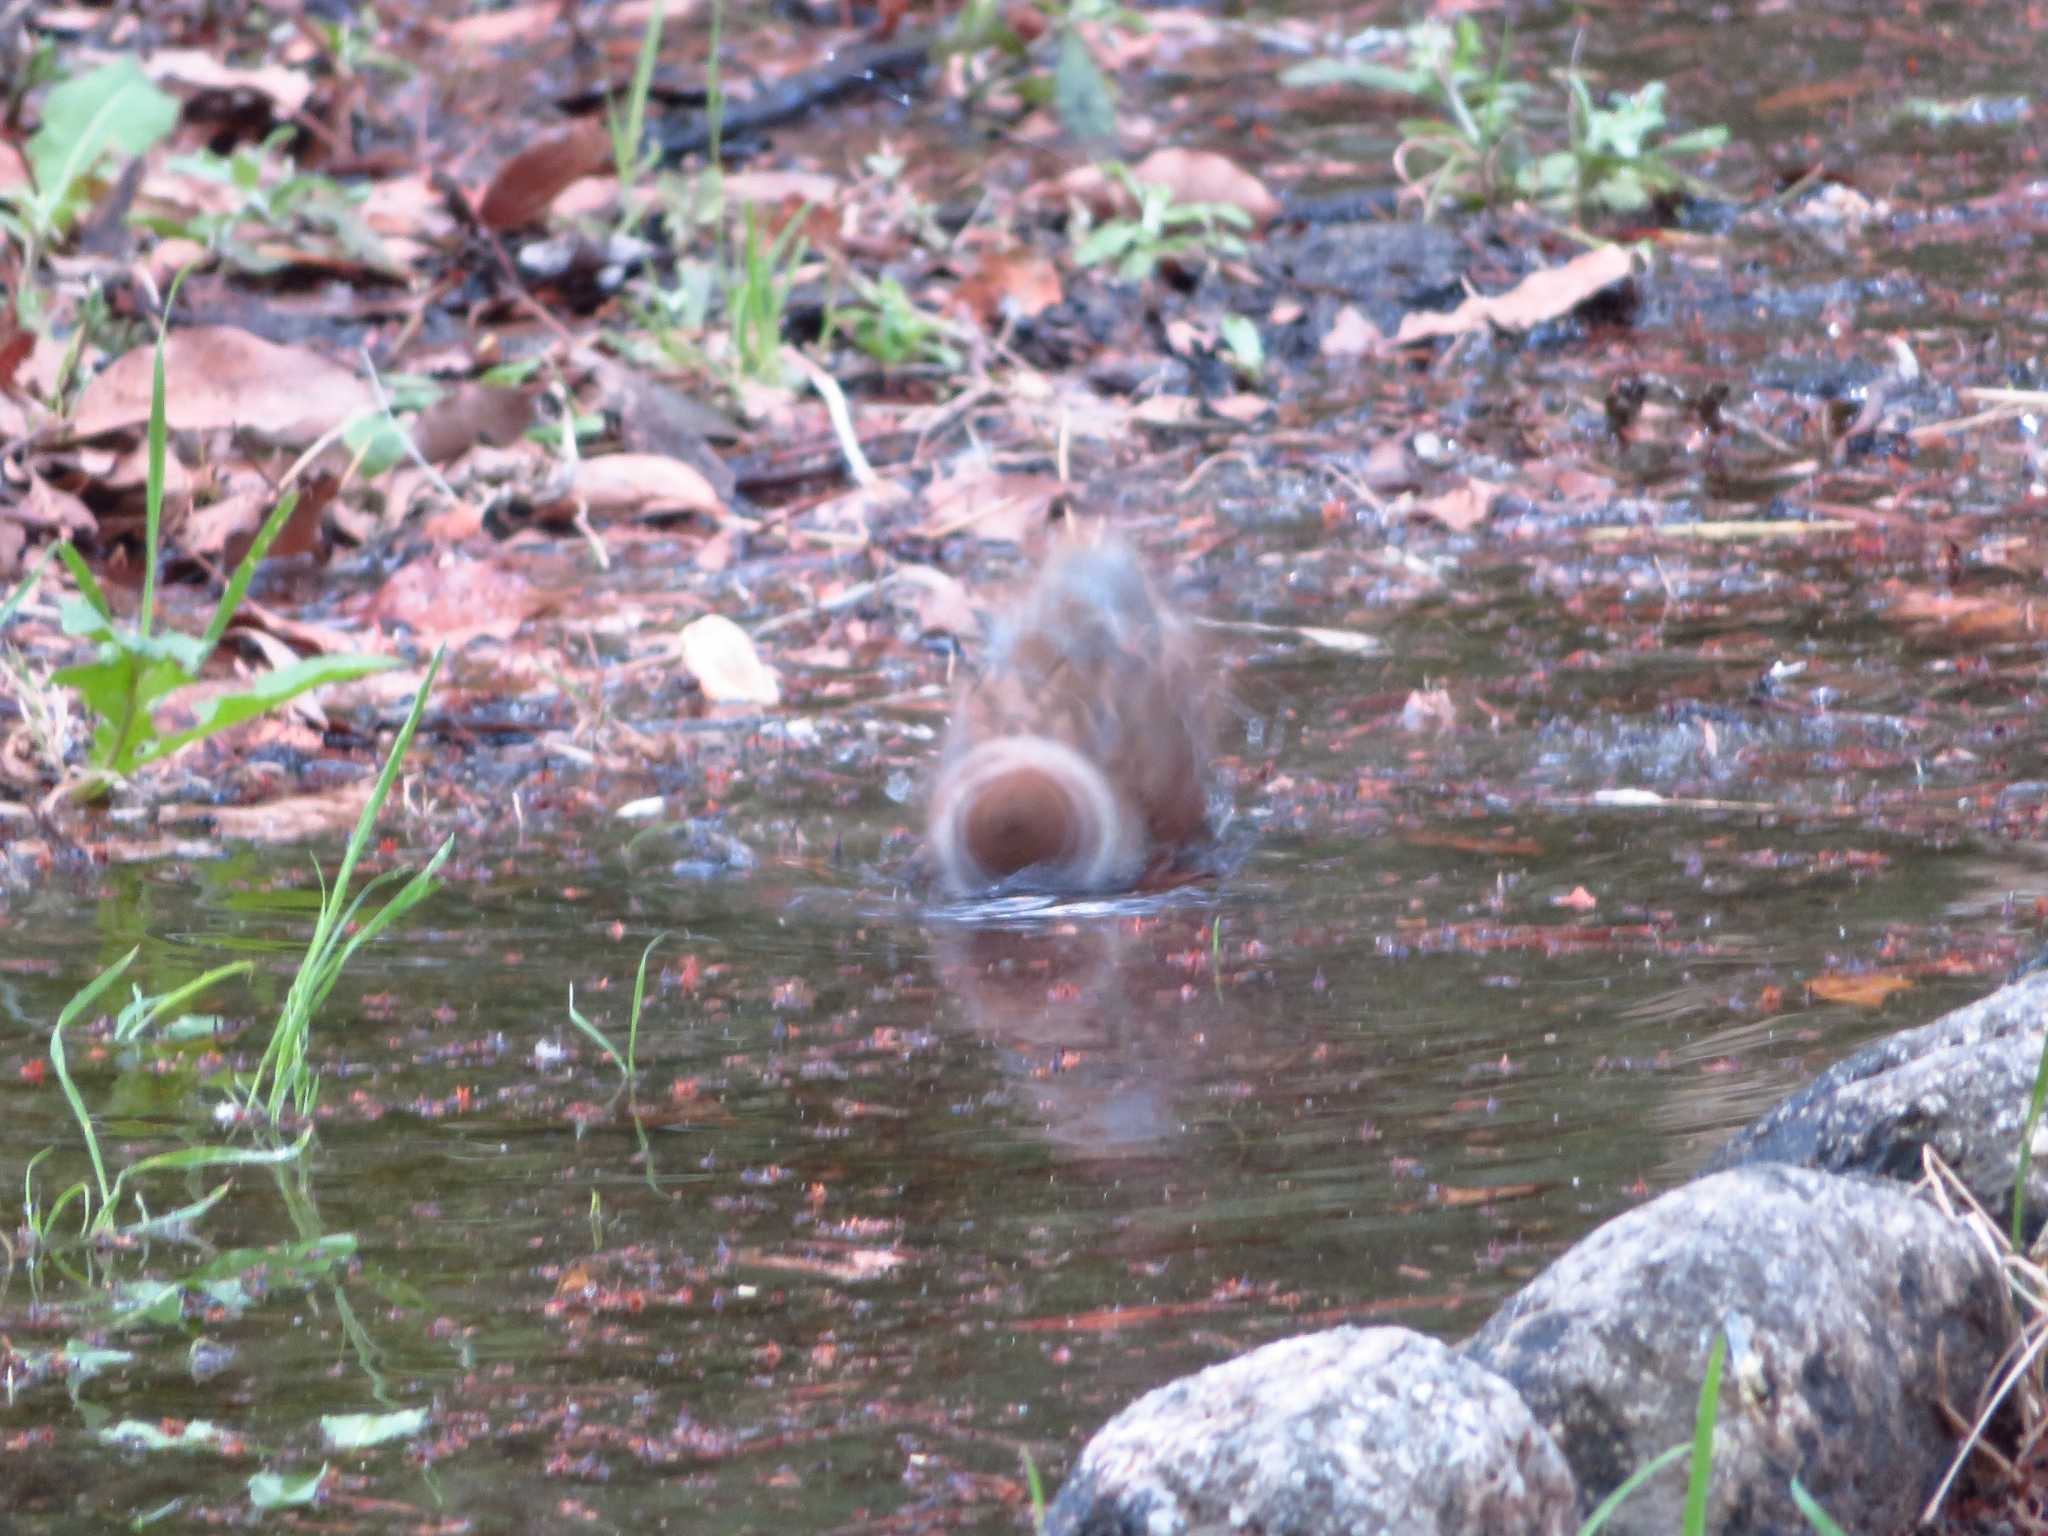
<point>1161,230</point>
<point>340,929</point>
<point>112,110</point>
<point>1619,159</point>
<point>757,293</point>
<point>138,667</point>
<point>625,1063</point>
<point>632,155</point>
<point>272,194</point>
<point>886,323</point>
<point>100,1201</point>
<point>1616,155</point>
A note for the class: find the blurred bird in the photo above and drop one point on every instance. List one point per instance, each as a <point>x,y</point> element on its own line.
<point>1078,760</point>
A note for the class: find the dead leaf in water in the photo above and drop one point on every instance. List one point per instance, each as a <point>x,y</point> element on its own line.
<point>1542,295</point>
<point>1868,990</point>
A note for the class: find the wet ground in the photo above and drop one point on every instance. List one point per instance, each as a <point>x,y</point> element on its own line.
<point>1618,832</point>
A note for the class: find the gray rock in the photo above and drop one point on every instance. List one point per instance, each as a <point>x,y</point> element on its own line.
<point>1959,1085</point>
<point>1351,1431</point>
<point>1850,1306</point>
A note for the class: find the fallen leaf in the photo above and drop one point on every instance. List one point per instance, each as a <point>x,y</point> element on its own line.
<point>1463,507</point>
<point>454,598</point>
<point>1351,334</point>
<point>640,484</point>
<point>1203,176</point>
<point>1007,508</point>
<point>217,377</point>
<point>527,185</point>
<point>1868,990</point>
<point>721,656</point>
<point>938,602</point>
<point>475,413</point>
<point>1542,295</point>
<point>1015,283</point>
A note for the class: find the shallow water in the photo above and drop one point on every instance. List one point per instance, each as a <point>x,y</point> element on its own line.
<point>904,1193</point>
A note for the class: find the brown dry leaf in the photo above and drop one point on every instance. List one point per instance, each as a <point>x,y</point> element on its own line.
<point>496,29</point>
<point>296,818</point>
<point>46,506</point>
<point>937,601</point>
<point>1003,507</point>
<point>1242,407</point>
<point>475,413</point>
<point>527,185</point>
<point>1536,298</point>
<point>1012,284</point>
<point>1351,334</point>
<point>1463,507</point>
<point>2008,614</point>
<point>1203,176</point>
<point>218,377</point>
<point>206,530</point>
<point>1868,990</point>
<point>454,598</point>
<point>640,484</point>
<point>721,656</point>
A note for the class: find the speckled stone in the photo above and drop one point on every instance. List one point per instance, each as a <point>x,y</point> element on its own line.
<point>1847,1302</point>
<point>1351,1431</point>
<point>1959,1085</point>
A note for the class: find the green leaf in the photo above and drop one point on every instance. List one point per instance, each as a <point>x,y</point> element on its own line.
<point>275,1490</point>
<point>1106,243</point>
<point>1361,72</point>
<point>191,1435</point>
<point>115,108</point>
<point>360,1431</point>
<point>272,689</point>
<point>1081,94</point>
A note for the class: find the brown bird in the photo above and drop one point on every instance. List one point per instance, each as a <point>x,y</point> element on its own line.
<point>1078,760</point>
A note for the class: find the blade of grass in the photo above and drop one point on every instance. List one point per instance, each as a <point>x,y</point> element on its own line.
<point>1649,1469</point>
<point>1695,1522</point>
<point>2025,1158</point>
<point>27,584</point>
<point>1816,1517</point>
<point>283,1063</point>
<point>81,1001</point>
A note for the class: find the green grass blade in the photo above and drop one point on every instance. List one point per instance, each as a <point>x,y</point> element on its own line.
<point>145,1011</point>
<point>27,585</point>
<point>245,572</point>
<point>1603,1511</point>
<point>2026,1149</point>
<point>1816,1517</point>
<point>639,994</point>
<point>81,1001</point>
<point>1695,1522</point>
<point>88,584</point>
<point>596,1035</point>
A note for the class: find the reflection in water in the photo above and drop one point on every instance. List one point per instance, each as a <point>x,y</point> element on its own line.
<point>1097,1025</point>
